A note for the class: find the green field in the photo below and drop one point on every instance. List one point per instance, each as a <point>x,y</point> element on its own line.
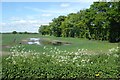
<point>95,46</point>
<point>81,59</point>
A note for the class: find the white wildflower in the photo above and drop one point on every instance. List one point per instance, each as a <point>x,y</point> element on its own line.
<point>8,58</point>
<point>88,60</point>
<point>116,55</point>
<point>14,62</point>
<point>106,60</point>
<point>77,64</point>
<point>83,60</point>
<point>83,65</point>
<point>73,61</point>
<point>44,47</point>
<point>53,56</point>
<point>65,51</point>
<point>75,58</point>
<point>43,52</point>
<point>82,49</point>
<point>55,48</point>
<point>91,62</point>
<point>76,53</point>
<point>24,60</point>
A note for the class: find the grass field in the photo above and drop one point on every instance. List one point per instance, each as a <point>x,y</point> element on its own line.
<point>7,40</point>
<point>81,59</point>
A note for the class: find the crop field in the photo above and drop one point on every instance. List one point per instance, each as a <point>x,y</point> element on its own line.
<point>81,58</point>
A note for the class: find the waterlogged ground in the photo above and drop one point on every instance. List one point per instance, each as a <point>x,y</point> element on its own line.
<point>52,62</point>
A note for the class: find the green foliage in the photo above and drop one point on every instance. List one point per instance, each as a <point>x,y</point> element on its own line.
<point>66,61</point>
<point>25,32</point>
<point>95,46</point>
<point>44,29</point>
<point>56,26</point>
<point>61,64</point>
<point>100,22</point>
<point>14,32</point>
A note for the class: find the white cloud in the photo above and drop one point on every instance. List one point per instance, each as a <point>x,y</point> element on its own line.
<point>2,24</point>
<point>49,13</point>
<point>21,25</point>
<point>46,15</point>
<point>32,21</point>
<point>30,17</point>
<point>20,21</point>
<point>15,18</point>
<point>42,17</point>
<point>64,5</point>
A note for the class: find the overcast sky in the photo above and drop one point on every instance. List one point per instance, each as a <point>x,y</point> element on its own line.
<point>28,16</point>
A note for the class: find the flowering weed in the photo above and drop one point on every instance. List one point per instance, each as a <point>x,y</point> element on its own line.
<point>52,62</point>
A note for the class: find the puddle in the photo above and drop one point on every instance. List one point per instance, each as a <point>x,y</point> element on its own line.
<point>34,41</point>
<point>42,41</point>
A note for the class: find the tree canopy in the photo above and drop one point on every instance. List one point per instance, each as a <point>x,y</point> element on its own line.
<point>100,22</point>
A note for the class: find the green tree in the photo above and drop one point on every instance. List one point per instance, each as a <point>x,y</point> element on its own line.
<point>99,22</point>
<point>14,32</point>
<point>44,29</point>
<point>55,26</point>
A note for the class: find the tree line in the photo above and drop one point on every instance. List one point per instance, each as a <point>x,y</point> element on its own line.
<point>99,22</point>
<point>15,32</point>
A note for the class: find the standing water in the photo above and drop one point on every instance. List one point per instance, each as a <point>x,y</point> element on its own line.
<point>34,41</point>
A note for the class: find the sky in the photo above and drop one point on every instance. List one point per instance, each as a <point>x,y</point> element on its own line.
<point>28,16</point>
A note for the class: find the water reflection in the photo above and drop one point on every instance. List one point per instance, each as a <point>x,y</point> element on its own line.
<point>34,41</point>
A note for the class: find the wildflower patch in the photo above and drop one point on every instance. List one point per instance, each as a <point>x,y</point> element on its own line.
<point>52,62</point>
